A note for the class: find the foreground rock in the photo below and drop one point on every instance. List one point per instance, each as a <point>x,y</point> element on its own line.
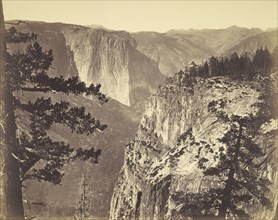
<point>160,161</point>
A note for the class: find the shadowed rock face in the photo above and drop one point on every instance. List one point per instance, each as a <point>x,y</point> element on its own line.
<point>161,160</point>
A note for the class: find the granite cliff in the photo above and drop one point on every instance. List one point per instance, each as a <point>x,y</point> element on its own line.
<point>160,162</point>
<point>100,56</point>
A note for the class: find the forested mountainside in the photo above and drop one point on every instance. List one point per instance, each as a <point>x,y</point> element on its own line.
<point>252,43</point>
<point>62,199</point>
<point>179,136</point>
<point>175,49</point>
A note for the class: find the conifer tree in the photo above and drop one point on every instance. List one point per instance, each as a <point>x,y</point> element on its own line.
<point>234,66</point>
<point>238,168</point>
<point>193,68</point>
<point>26,71</point>
<point>274,59</point>
<point>246,66</point>
<point>262,61</point>
<point>84,202</point>
<point>214,66</point>
<point>238,172</point>
<point>206,69</point>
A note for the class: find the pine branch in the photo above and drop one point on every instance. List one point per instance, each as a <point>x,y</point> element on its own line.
<point>14,36</point>
<point>261,198</point>
<point>29,68</point>
<point>70,85</point>
<point>27,166</point>
<point>44,113</point>
<point>266,158</point>
<point>34,89</point>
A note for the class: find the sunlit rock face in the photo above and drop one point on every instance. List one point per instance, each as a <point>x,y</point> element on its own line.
<point>110,58</point>
<point>97,55</point>
<point>161,160</point>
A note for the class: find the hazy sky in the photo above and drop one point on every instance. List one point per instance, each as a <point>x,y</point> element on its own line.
<point>148,15</point>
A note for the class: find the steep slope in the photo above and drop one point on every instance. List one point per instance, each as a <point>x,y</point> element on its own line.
<point>221,40</point>
<point>100,56</point>
<point>174,49</point>
<point>161,160</point>
<point>172,52</point>
<point>251,44</point>
<point>62,200</point>
<point>50,37</point>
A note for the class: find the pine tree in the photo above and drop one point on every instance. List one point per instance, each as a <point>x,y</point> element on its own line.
<point>274,59</point>
<point>237,172</point>
<point>262,61</point>
<point>206,69</point>
<point>238,168</point>
<point>267,62</point>
<point>193,68</point>
<point>26,71</point>
<point>234,66</point>
<point>84,202</point>
<point>214,66</point>
<point>246,67</point>
<point>222,69</point>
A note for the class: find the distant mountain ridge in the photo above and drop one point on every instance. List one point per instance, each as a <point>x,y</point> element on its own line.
<point>251,44</point>
<point>219,40</point>
<point>175,49</point>
<point>130,66</point>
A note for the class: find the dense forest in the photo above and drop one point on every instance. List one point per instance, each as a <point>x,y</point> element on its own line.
<point>241,67</point>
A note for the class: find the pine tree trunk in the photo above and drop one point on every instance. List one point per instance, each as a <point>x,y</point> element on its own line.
<point>11,206</point>
<point>226,194</point>
<point>229,183</point>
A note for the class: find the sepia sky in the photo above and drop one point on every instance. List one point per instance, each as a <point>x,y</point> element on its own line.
<point>147,15</point>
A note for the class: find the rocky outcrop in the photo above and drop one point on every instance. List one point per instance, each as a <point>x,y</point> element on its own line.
<point>161,160</point>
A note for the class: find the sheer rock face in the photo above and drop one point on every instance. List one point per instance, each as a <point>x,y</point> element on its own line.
<point>110,58</point>
<point>157,166</point>
<point>102,56</point>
